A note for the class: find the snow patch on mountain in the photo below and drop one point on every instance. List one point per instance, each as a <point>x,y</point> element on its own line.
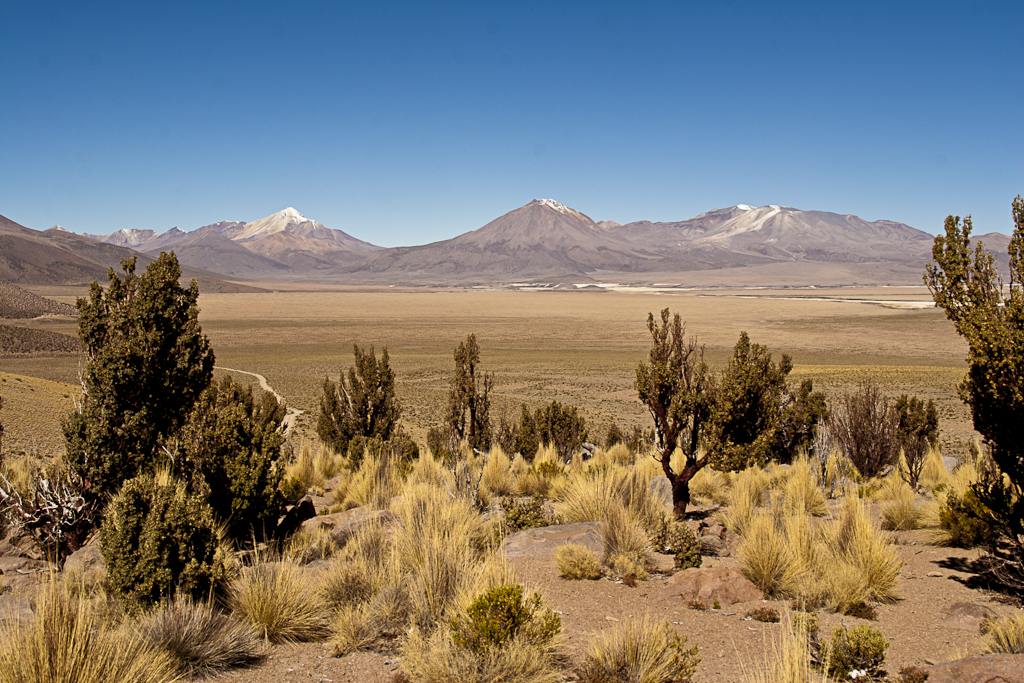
<point>272,224</point>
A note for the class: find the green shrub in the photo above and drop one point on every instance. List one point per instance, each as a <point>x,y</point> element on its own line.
<point>501,614</point>
<point>676,539</point>
<point>230,452</point>
<point>293,490</point>
<point>362,403</point>
<point>562,427</point>
<point>967,521</point>
<point>576,561</point>
<point>861,648</point>
<point>524,515</point>
<point>769,615</point>
<point>158,541</point>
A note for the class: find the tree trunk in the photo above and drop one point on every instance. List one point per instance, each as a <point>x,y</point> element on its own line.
<point>680,496</point>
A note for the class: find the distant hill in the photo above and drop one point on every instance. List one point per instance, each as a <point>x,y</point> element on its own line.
<point>18,303</point>
<point>26,341</point>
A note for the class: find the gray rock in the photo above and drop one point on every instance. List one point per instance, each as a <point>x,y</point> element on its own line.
<point>950,462</point>
<point>349,526</point>
<point>15,608</point>
<point>986,669</point>
<point>542,542</point>
<point>661,487</point>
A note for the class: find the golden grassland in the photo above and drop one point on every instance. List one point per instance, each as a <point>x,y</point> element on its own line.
<point>573,346</point>
<point>32,411</point>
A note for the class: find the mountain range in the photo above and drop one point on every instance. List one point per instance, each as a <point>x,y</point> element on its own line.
<point>543,241</point>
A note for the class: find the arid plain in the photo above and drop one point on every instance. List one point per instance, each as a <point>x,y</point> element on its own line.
<point>580,347</point>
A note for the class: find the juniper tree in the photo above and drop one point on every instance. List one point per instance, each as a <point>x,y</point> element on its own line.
<point>363,404</point>
<point>148,362</point>
<point>917,429</point>
<point>469,400</point>
<point>990,318</point>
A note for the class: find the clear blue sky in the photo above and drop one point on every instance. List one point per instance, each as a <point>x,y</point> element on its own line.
<point>409,122</point>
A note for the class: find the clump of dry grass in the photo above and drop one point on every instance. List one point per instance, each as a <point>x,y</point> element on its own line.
<point>852,540</point>
<point>771,558</point>
<point>497,473</point>
<point>802,492</point>
<point>744,497</point>
<point>590,496</point>
<point>709,486</point>
<point>900,511</point>
<point>787,660</point>
<point>575,561</point>
<point>314,468</point>
<point>280,601</point>
<point>200,640</point>
<point>933,472</point>
<point>639,651</point>
<point>435,659</point>
<point>625,543</point>
<point>307,545</point>
<point>1005,635</point>
<point>377,481</point>
<point>69,641</point>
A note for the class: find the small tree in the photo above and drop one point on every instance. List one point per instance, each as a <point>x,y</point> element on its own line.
<point>469,402</point>
<point>867,430</point>
<point>527,439</point>
<point>148,362</point>
<point>679,391</point>
<point>991,321</point>
<point>562,427</point>
<point>917,429</point>
<point>364,405</point>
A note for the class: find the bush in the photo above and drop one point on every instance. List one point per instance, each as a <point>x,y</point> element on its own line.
<point>148,363</point>
<point>158,541</point>
<point>575,561</point>
<point>200,640</point>
<point>1005,635</point>
<point>613,436</point>
<point>280,601</point>
<point>861,649</point>
<point>967,521</point>
<point>469,401</point>
<point>901,512</point>
<point>918,431</point>
<point>68,641</point>
<point>500,615</point>
<point>866,430</point>
<point>768,615</point>
<point>524,515</point>
<point>676,539</point>
<point>639,651</point>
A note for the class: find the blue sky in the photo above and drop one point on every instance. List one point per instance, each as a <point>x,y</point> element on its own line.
<point>409,122</point>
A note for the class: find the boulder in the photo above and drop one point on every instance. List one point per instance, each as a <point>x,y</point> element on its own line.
<point>712,546</point>
<point>950,462</point>
<point>661,488</point>
<point>724,584</point>
<point>16,609</point>
<point>87,561</point>
<point>356,519</point>
<point>967,616</point>
<point>19,543</point>
<point>543,541</point>
<point>985,669</point>
<point>295,516</point>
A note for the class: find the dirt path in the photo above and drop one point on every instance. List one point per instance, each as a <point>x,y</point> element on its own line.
<point>290,415</point>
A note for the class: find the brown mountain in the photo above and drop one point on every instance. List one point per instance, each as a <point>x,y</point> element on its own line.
<point>59,257</point>
<point>541,239</point>
<point>18,303</point>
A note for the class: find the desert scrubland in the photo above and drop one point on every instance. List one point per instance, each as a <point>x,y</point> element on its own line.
<point>578,347</point>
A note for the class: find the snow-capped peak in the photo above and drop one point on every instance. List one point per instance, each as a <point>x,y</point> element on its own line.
<point>744,207</point>
<point>272,224</point>
<point>561,208</point>
<point>57,227</point>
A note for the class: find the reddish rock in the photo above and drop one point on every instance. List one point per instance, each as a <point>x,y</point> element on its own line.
<point>19,543</point>
<point>986,669</point>
<point>724,584</point>
<point>967,616</point>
